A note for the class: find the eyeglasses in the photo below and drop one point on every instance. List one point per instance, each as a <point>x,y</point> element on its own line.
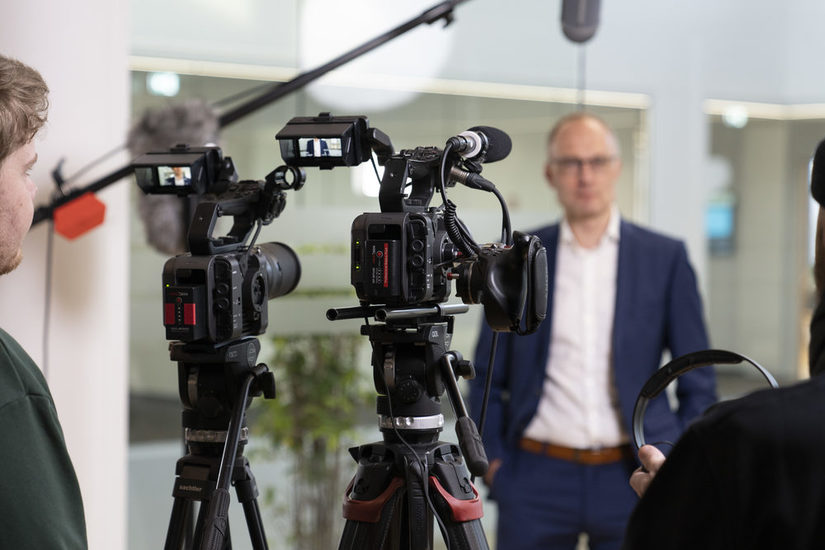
<point>569,165</point>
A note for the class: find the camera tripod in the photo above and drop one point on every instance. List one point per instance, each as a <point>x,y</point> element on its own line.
<point>410,479</point>
<point>216,385</point>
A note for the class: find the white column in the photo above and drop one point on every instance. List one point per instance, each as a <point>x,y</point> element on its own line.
<point>81,50</point>
<point>678,149</point>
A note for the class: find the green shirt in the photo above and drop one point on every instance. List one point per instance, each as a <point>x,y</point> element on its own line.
<point>40,502</point>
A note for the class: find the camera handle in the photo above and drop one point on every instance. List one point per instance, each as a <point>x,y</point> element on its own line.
<point>452,366</point>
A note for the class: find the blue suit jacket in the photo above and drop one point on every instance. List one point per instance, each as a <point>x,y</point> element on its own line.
<point>657,307</point>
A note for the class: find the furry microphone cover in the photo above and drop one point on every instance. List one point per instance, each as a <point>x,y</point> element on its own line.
<point>192,122</point>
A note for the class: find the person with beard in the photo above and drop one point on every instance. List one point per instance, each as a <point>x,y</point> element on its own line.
<point>40,502</point>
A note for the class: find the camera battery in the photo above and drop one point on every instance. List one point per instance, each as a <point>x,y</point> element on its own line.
<point>183,311</point>
<point>383,256</point>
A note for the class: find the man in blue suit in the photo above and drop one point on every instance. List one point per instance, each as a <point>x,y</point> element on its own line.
<point>561,402</point>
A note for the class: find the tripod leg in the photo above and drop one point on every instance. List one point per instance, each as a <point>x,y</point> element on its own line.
<point>419,518</point>
<point>177,524</point>
<point>462,535</point>
<point>456,502</point>
<point>380,534</point>
<point>247,492</point>
<point>255,525</point>
<point>373,504</point>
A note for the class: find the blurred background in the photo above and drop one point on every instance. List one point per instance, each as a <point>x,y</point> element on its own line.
<point>718,107</point>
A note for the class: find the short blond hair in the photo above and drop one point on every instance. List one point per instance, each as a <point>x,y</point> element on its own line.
<point>24,105</point>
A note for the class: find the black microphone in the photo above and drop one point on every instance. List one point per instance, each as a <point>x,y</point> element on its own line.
<point>818,174</point>
<point>486,143</point>
<point>579,19</point>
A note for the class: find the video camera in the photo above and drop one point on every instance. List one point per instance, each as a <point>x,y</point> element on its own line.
<point>218,291</point>
<point>402,261</point>
<point>407,254</point>
<point>214,304</point>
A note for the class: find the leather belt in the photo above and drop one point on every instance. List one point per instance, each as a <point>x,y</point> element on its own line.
<point>591,457</point>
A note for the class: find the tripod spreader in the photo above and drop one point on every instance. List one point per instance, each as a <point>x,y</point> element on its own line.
<point>469,440</point>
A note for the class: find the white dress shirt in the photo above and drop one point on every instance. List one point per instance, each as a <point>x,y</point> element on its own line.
<point>579,404</point>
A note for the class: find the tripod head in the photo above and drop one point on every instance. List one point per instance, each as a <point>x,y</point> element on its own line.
<point>210,379</point>
<point>412,368</point>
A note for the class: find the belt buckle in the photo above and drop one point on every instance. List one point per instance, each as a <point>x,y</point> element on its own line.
<point>592,456</point>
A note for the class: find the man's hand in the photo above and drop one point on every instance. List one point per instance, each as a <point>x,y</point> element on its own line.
<point>651,459</point>
<point>491,472</point>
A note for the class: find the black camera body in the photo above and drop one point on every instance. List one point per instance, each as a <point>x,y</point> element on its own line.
<point>217,292</point>
<point>221,297</point>
<point>398,258</point>
<point>406,255</point>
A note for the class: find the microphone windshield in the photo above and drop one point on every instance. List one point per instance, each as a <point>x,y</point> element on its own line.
<point>499,143</point>
<point>818,174</point>
<point>193,122</point>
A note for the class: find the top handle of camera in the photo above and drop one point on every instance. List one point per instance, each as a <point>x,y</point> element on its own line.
<point>201,241</point>
<point>417,168</point>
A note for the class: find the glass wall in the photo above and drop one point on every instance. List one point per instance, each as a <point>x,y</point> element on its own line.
<point>316,223</point>
<point>760,287</point>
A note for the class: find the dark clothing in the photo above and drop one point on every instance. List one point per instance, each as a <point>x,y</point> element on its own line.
<point>538,510</point>
<point>816,347</point>
<point>657,308</point>
<point>748,475</point>
<point>40,502</point>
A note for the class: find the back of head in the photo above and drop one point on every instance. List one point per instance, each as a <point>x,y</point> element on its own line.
<point>23,105</point>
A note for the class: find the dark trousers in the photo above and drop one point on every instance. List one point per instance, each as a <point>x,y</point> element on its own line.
<point>545,503</point>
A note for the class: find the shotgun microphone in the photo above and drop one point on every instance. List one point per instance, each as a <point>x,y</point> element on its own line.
<point>484,143</point>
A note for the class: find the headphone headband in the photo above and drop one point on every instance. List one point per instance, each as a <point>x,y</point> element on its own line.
<point>657,383</point>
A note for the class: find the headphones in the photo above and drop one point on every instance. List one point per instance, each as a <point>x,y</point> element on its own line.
<point>677,367</point>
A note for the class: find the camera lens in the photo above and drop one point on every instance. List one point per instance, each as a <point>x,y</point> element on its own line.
<point>282,268</point>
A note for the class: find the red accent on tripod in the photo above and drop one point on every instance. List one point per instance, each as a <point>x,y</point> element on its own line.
<point>369,510</point>
<point>462,510</point>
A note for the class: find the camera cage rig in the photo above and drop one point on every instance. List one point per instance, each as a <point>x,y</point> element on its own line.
<point>406,255</point>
